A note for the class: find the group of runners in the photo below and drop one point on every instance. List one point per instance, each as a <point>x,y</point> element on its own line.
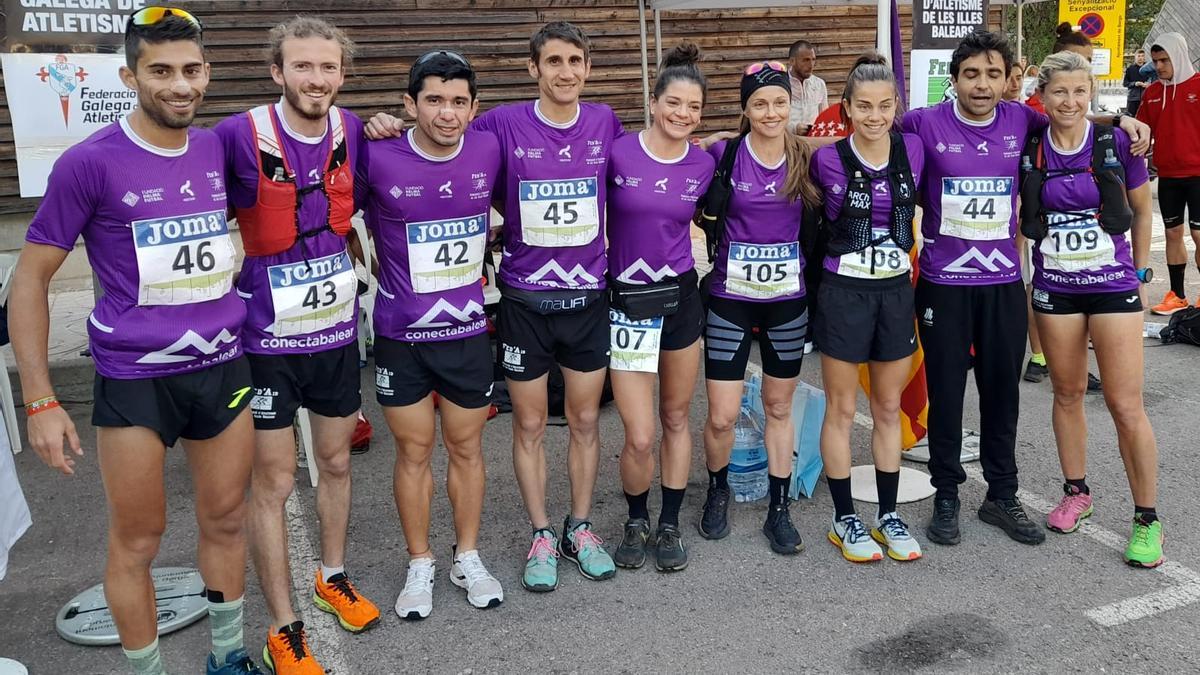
<point>596,275</point>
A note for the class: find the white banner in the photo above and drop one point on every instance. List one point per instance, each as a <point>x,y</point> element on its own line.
<point>929,83</point>
<point>57,100</point>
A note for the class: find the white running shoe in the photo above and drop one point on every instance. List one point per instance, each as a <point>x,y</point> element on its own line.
<point>850,535</point>
<point>893,533</point>
<point>468,572</point>
<point>416,600</point>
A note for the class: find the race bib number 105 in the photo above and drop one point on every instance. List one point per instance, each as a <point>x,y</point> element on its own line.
<point>559,212</point>
<point>977,209</point>
<point>183,259</point>
<point>763,271</point>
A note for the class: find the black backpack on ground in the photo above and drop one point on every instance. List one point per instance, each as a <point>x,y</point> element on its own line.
<point>1183,328</point>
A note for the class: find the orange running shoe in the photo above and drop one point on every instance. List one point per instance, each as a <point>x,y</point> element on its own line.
<point>287,652</point>
<point>340,598</point>
<point>1171,303</point>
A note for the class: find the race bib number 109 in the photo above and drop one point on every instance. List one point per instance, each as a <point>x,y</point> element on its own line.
<point>183,259</point>
<point>977,209</point>
<point>559,212</point>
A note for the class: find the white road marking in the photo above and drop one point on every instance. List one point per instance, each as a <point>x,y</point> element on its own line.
<point>327,640</point>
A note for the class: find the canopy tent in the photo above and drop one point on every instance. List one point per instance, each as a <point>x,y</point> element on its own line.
<point>883,24</point>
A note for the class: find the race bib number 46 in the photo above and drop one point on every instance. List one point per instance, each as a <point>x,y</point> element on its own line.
<point>312,295</point>
<point>183,259</point>
<point>978,209</point>
<point>446,254</point>
<point>763,271</point>
<point>1074,244</point>
<point>559,212</point>
<point>634,344</point>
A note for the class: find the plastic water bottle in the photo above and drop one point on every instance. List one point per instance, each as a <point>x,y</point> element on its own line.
<point>748,462</point>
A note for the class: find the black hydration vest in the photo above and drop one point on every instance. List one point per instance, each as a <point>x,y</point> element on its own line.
<point>1114,214</point>
<point>852,230</point>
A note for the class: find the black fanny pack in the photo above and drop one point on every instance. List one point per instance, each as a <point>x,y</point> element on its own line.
<point>646,301</point>
<point>552,300</point>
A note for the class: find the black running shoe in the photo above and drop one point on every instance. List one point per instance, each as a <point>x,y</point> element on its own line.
<point>631,553</point>
<point>670,555</point>
<point>1035,372</point>
<point>943,525</point>
<point>1094,385</point>
<point>714,523</point>
<point>1009,515</point>
<point>780,532</point>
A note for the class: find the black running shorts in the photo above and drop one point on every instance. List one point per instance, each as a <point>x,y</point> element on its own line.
<point>728,331</point>
<point>860,320</point>
<point>194,406</point>
<point>458,370</point>
<point>1175,195</point>
<point>1045,302</point>
<point>324,382</point>
<point>530,341</point>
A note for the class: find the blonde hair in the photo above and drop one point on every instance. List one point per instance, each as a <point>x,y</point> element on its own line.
<point>300,27</point>
<point>798,185</point>
<point>1063,62</point>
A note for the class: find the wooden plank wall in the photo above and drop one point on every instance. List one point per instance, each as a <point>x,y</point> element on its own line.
<point>494,34</point>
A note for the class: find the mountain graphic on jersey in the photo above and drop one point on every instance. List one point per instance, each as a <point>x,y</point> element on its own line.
<point>471,311</point>
<point>640,265</point>
<point>571,278</point>
<point>981,262</point>
<point>189,340</point>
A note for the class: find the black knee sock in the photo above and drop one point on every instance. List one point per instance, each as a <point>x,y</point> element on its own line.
<point>778,489</point>
<point>1145,514</point>
<point>719,478</point>
<point>671,499</point>
<point>888,484</point>
<point>1080,485</point>
<point>637,505</point>
<point>1175,272</point>
<point>843,504</point>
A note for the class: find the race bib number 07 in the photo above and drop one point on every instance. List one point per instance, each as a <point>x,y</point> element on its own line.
<point>558,213</point>
<point>446,254</point>
<point>763,271</point>
<point>634,345</point>
<point>183,259</point>
<point>977,209</point>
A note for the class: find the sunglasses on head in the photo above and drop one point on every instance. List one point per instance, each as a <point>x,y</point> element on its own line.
<point>756,68</point>
<point>148,16</point>
<point>442,52</point>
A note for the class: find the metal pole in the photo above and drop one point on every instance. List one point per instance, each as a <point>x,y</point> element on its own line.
<point>657,38</point>
<point>1020,29</point>
<point>883,28</point>
<point>645,64</point>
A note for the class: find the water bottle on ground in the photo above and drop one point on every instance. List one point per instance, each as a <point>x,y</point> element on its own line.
<point>748,461</point>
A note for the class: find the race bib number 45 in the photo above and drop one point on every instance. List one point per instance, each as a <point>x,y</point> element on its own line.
<point>978,209</point>
<point>183,259</point>
<point>446,254</point>
<point>559,212</point>
<point>634,345</point>
<point>763,271</point>
<point>312,295</point>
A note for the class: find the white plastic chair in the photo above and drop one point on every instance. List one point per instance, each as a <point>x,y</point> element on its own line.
<point>366,301</point>
<point>7,263</point>
<point>304,437</point>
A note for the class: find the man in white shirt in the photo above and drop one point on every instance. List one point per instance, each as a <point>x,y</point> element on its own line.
<point>809,96</point>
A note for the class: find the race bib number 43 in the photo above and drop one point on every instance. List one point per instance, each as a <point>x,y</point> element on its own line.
<point>978,209</point>
<point>183,259</point>
<point>312,295</point>
<point>446,254</point>
<point>559,212</point>
<point>634,345</point>
<point>763,271</point>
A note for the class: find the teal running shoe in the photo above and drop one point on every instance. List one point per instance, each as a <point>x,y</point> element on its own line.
<point>541,566</point>
<point>236,663</point>
<point>582,547</point>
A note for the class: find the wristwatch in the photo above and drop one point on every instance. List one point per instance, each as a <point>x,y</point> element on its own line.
<point>1117,120</point>
<point>1145,274</point>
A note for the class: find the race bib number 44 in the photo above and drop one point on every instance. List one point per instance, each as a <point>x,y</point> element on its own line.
<point>763,271</point>
<point>978,209</point>
<point>1075,244</point>
<point>559,212</point>
<point>634,345</point>
<point>446,254</point>
<point>183,259</point>
<point>312,295</point>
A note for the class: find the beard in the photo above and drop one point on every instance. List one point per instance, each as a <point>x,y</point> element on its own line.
<point>162,115</point>
<point>308,108</point>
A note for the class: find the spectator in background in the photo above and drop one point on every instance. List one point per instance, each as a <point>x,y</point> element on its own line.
<point>1029,82</point>
<point>809,95</point>
<point>1015,86</point>
<point>1136,81</point>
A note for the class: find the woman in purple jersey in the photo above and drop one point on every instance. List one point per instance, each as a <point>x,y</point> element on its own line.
<point>655,179</point>
<point>865,308</point>
<point>757,283</point>
<point>1088,279</point>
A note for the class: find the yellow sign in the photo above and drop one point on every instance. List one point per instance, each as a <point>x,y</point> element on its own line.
<point>1103,21</point>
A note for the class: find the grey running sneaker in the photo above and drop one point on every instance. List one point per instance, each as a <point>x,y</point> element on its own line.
<point>632,551</point>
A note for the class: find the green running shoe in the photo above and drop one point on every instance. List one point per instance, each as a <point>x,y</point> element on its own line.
<point>541,567</point>
<point>582,547</point>
<point>1145,546</point>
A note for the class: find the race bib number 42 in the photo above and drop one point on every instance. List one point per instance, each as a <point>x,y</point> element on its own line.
<point>634,345</point>
<point>977,209</point>
<point>446,254</point>
<point>559,212</point>
<point>312,295</point>
<point>1074,244</point>
<point>763,271</point>
<point>183,259</point>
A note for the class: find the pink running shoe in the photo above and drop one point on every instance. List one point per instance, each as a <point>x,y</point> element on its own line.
<point>1070,512</point>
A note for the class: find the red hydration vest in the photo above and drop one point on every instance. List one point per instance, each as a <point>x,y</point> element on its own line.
<point>272,225</point>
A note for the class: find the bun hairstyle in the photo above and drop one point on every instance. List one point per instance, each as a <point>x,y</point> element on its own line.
<point>679,64</point>
<point>870,67</point>
<point>1069,37</point>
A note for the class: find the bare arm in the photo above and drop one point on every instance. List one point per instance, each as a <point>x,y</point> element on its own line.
<point>1140,204</point>
<point>383,125</point>
<point>30,291</point>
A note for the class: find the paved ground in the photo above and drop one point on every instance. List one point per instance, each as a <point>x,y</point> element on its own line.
<point>988,605</point>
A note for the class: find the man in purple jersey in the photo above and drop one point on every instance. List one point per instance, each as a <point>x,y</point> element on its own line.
<point>148,197</point>
<point>290,168</point>
<point>970,291</point>
<point>427,199</point>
